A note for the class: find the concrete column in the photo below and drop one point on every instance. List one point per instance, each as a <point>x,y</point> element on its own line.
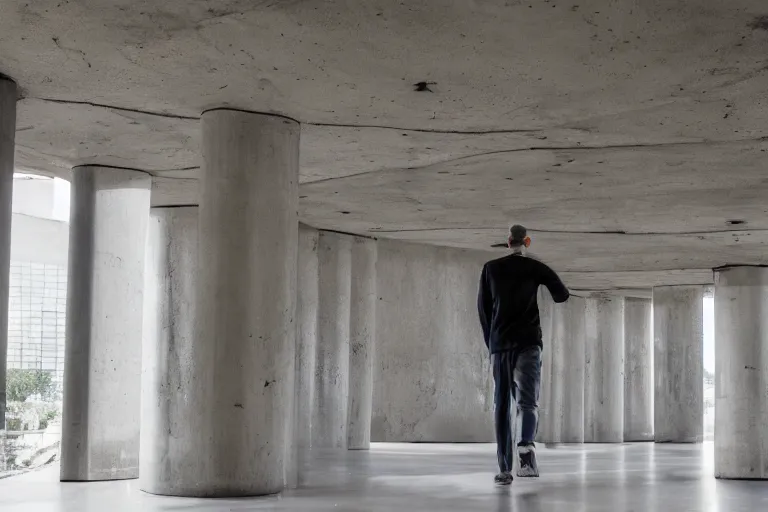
<point>556,345</point>
<point>741,373</point>
<point>306,340</point>
<point>545,432</point>
<point>329,421</point>
<point>102,367</point>
<point>567,382</point>
<point>7,148</point>
<point>362,332</point>
<point>604,371</point>
<point>243,351</point>
<point>638,370</point>
<point>167,422</point>
<point>678,364</point>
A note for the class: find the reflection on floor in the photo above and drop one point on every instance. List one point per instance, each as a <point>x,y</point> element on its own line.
<point>442,477</point>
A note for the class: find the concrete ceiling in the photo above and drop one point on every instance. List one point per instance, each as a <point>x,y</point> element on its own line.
<point>625,133</point>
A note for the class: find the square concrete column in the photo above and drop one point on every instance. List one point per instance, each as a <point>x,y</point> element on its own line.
<point>604,367</point>
<point>102,366</point>
<point>741,373</point>
<point>362,344</point>
<point>638,369</point>
<point>7,148</point>
<point>168,423</point>
<point>678,318</point>
<point>329,418</point>
<point>242,358</point>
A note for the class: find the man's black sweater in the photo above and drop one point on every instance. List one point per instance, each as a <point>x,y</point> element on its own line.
<point>506,302</point>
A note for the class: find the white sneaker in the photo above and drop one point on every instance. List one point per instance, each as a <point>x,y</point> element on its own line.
<point>527,466</point>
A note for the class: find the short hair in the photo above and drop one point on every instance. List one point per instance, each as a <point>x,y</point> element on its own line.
<point>517,234</point>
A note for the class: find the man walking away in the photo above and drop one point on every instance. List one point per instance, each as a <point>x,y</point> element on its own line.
<point>509,314</point>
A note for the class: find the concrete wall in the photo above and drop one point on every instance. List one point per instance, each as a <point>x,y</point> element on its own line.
<point>432,379</point>
<point>41,197</point>
<point>33,197</point>
<point>39,240</point>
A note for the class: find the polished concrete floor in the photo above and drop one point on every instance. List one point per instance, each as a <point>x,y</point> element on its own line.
<point>405,477</point>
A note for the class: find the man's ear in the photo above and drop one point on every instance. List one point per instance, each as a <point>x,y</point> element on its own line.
<point>509,243</point>
<point>527,242</point>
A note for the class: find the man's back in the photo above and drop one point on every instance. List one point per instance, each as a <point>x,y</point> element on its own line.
<point>507,303</point>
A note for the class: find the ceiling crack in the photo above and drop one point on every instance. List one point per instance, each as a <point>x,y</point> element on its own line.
<point>575,232</point>
<point>110,107</point>
<point>549,148</point>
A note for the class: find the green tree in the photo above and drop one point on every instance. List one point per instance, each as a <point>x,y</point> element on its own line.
<point>22,384</point>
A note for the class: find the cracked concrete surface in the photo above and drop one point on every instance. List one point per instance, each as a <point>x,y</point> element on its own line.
<point>625,134</point>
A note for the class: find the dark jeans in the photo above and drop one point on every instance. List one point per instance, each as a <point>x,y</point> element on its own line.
<point>517,376</point>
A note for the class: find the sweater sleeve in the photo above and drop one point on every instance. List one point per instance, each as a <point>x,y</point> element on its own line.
<point>555,286</point>
<point>485,305</point>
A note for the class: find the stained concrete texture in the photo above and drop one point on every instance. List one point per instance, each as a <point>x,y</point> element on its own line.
<point>8,94</point>
<point>362,342</point>
<point>678,364</point>
<point>638,370</point>
<point>330,407</point>
<point>245,330</point>
<point>432,378</point>
<point>619,168</point>
<point>102,365</point>
<point>168,423</point>
<point>546,425</point>
<point>435,477</point>
<point>604,371</point>
<point>566,391</point>
<point>741,350</point>
<point>306,337</point>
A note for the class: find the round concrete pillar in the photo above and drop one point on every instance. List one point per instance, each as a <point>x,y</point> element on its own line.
<point>102,366</point>
<point>7,149</point>
<point>167,423</point>
<point>362,332</point>
<point>545,425</point>
<point>604,371</point>
<point>329,420</point>
<point>678,363</point>
<point>556,346</point>
<point>306,343</point>
<point>741,373</point>
<point>567,382</point>
<point>638,370</point>
<point>244,340</point>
